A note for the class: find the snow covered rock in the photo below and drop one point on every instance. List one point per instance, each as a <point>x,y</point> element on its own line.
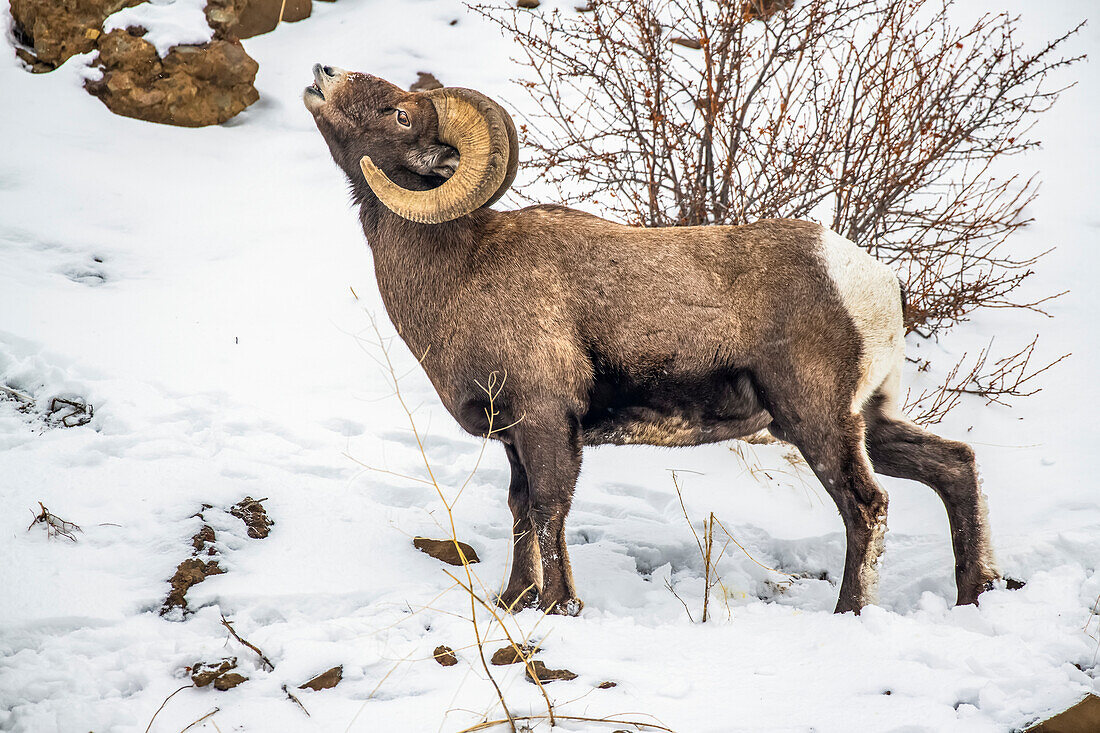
<point>58,29</point>
<point>192,86</point>
<point>247,18</point>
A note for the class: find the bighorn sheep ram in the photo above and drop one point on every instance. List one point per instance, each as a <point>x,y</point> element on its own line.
<point>617,334</point>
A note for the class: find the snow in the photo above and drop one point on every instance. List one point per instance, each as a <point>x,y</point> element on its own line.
<point>196,287</point>
<point>167,22</point>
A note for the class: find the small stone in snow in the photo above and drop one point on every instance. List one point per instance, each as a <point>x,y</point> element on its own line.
<point>445,656</point>
<point>325,680</point>
<point>548,675</point>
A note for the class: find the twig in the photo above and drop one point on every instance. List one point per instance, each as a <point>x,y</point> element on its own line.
<point>295,700</point>
<point>263,657</point>
<point>148,727</point>
<point>606,721</point>
<point>55,525</point>
<point>193,724</point>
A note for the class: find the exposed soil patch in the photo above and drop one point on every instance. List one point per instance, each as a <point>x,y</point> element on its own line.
<point>190,571</point>
<point>252,513</point>
<point>203,673</point>
<point>546,674</point>
<point>325,680</point>
<point>508,654</point>
<point>446,550</point>
<point>195,569</point>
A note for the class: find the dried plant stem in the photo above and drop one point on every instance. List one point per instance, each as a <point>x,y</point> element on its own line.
<point>469,585</point>
<point>263,657</point>
<point>196,722</point>
<point>640,724</point>
<point>165,702</point>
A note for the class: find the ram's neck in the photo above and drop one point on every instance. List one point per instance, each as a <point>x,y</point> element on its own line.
<point>420,268</point>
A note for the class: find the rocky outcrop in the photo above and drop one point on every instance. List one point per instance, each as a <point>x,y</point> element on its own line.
<point>192,86</point>
<point>58,29</point>
<point>247,18</point>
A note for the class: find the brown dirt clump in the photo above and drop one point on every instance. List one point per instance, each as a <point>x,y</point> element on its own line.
<point>446,550</point>
<point>547,675</point>
<point>445,656</point>
<point>203,673</point>
<point>325,680</point>
<point>508,655</point>
<point>190,571</point>
<point>229,681</point>
<point>252,513</point>
<point>204,539</point>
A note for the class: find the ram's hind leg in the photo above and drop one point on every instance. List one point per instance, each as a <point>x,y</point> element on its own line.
<point>902,449</point>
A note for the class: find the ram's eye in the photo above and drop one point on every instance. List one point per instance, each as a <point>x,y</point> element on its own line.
<point>402,118</point>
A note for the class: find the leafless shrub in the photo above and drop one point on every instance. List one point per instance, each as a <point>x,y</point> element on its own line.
<point>881,118</point>
<point>995,381</point>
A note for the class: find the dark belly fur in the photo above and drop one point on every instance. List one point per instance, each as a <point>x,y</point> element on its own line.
<point>671,410</point>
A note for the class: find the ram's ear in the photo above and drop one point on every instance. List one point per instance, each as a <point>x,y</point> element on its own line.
<point>434,160</point>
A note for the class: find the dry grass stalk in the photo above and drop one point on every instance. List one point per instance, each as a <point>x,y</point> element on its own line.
<point>196,722</point>
<point>267,665</point>
<point>609,720</point>
<point>163,703</point>
<point>492,389</point>
<point>711,578</point>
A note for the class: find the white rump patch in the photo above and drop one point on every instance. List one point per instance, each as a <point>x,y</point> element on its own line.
<point>871,295</point>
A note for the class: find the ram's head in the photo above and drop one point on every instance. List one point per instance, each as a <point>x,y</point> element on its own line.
<point>430,157</point>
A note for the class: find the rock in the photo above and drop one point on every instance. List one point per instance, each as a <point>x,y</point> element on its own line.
<point>446,550</point>
<point>607,685</point>
<point>547,675</point>
<point>325,680</point>
<point>445,656</point>
<point>203,673</point>
<point>33,64</point>
<point>252,513</point>
<point>246,18</point>
<point>192,86</point>
<point>58,29</point>
<point>1082,717</point>
<point>229,681</point>
<point>424,82</point>
<point>507,654</point>
<point>527,4</point>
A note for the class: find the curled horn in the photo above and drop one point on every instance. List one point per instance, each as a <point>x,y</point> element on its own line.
<point>488,150</point>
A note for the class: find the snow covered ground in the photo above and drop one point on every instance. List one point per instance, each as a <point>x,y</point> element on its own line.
<point>196,287</point>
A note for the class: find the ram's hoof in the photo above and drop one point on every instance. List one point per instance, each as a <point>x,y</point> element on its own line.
<point>568,607</point>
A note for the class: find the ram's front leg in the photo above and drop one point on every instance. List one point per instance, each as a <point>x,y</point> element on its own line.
<point>549,453</point>
<point>525,582</point>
